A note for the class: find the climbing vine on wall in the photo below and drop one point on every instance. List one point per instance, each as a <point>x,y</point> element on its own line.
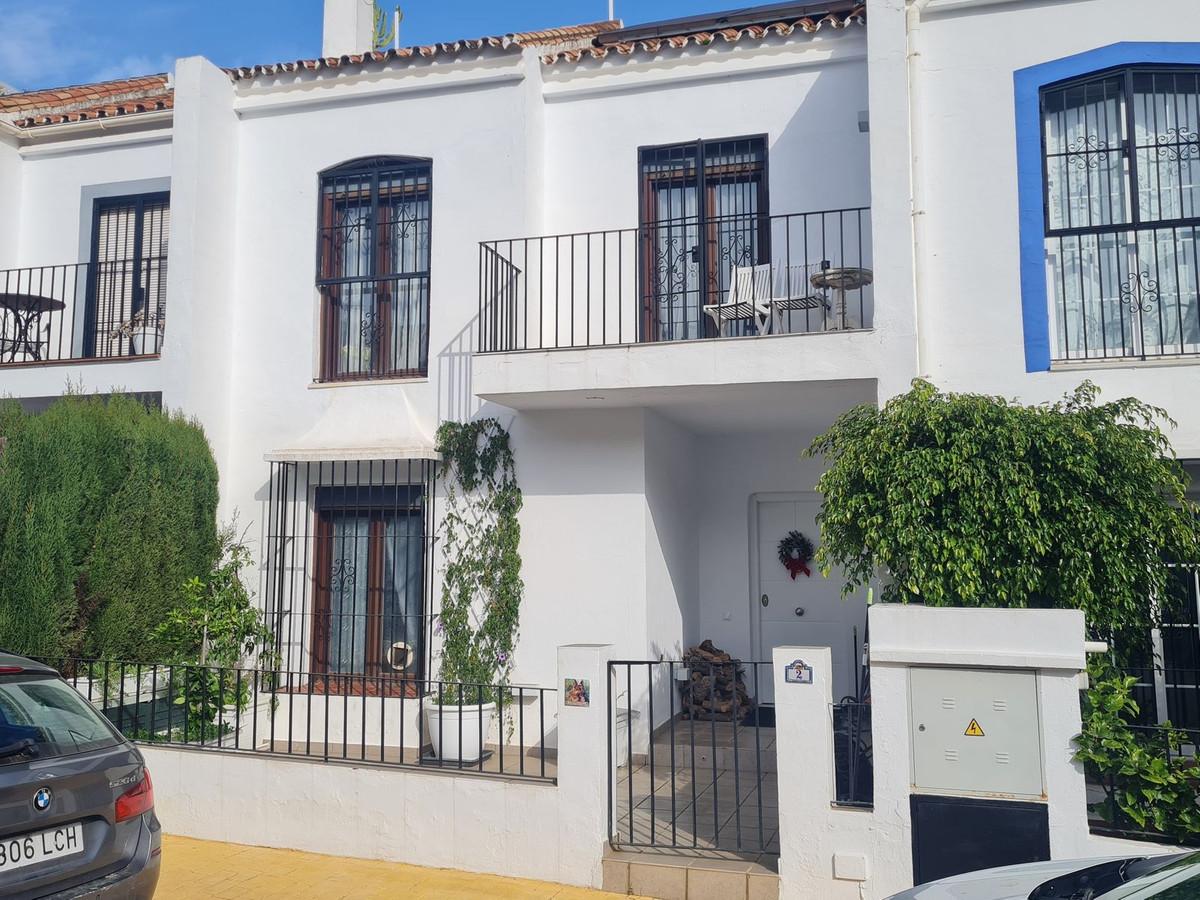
<point>481,579</point>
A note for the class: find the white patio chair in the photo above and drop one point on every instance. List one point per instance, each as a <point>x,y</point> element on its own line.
<point>748,299</point>
<point>792,292</point>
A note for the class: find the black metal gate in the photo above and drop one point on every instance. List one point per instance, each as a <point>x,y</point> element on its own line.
<point>691,758</point>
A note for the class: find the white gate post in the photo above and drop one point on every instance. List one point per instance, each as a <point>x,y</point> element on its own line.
<point>583,771</point>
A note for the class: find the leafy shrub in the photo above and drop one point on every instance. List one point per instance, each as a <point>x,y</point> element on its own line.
<point>1146,778</point>
<point>972,500</point>
<point>106,509</point>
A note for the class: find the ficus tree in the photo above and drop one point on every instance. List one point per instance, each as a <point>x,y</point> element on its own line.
<point>974,500</point>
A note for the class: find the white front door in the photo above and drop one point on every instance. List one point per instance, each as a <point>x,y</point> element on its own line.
<point>807,611</point>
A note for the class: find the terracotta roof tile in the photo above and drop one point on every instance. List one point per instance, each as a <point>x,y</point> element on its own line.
<point>129,97</point>
<point>108,99</point>
<point>566,36</point>
<point>806,24</point>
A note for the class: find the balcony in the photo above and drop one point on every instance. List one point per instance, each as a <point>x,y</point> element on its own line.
<point>668,281</point>
<point>113,310</point>
<point>666,307</point>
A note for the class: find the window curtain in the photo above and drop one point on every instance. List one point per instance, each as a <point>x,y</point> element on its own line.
<point>349,574</point>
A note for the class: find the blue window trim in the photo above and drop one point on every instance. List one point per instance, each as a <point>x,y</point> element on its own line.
<point>1027,83</point>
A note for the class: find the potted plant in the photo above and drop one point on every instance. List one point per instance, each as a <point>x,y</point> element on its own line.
<point>481,588</point>
<point>143,331</point>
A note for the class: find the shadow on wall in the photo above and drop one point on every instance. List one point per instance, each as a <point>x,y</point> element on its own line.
<point>456,402</point>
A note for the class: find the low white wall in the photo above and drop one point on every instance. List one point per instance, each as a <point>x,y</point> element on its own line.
<point>510,827</point>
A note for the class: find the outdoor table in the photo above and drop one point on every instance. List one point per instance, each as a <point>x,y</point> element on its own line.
<point>26,311</point>
<point>841,279</point>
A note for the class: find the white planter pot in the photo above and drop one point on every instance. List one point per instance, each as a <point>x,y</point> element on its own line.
<point>145,340</point>
<point>455,731</point>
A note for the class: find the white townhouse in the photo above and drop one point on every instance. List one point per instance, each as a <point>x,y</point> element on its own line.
<point>665,256</point>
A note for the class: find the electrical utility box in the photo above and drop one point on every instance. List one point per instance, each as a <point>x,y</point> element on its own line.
<point>975,732</point>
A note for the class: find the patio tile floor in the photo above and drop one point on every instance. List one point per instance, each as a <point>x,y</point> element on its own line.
<point>721,805</point>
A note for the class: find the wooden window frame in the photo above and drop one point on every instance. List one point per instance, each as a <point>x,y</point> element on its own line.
<point>373,179</point>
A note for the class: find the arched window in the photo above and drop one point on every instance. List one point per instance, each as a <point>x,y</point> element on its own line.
<point>373,268</point>
<point>1121,176</point>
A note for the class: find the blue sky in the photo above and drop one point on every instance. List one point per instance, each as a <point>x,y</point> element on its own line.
<point>46,43</point>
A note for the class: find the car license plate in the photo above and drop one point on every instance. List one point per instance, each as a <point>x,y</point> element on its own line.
<point>39,846</point>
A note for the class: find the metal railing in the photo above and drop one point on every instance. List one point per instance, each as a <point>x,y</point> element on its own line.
<point>388,720</point>
<point>854,772</point>
<point>374,327</point>
<point>94,310</point>
<point>1167,694</point>
<point>1105,815</point>
<point>692,766</point>
<point>652,283</point>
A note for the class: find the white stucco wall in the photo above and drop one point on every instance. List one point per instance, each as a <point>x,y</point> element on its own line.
<point>968,257</point>
<point>582,533</point>
<point>10,198</point>
<point>674,493</point>
<point>805,93</point>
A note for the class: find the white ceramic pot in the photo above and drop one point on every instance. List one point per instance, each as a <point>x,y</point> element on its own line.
<point>455,731</point>
<point>145,340</point>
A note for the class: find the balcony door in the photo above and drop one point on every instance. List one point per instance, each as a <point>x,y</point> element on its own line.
<point>127,284</point>
<point>704,208</point>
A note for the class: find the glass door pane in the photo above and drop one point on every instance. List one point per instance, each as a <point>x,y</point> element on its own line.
<point>403,577</point>
<point>349,571</point>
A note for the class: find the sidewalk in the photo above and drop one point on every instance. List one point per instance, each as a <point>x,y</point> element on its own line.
<point>200,870</point>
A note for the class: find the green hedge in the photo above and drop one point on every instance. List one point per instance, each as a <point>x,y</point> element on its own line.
<point>106,509</point>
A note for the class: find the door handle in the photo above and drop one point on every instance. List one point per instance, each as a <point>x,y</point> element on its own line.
<point>764,600</point>
<point>694,253</point>
<point>799,610</point>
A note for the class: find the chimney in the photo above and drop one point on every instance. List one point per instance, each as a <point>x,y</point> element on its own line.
<point>349,27</point>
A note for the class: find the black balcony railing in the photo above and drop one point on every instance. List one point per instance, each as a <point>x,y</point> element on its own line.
<point>96,310</point>
<point>671,280</point>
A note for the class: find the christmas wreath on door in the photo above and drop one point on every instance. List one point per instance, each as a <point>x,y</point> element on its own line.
<point>796,552</point>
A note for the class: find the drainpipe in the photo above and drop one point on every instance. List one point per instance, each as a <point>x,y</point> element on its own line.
<point>916,162</point>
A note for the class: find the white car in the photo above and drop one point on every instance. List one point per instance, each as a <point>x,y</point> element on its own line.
<point>1172,877</point>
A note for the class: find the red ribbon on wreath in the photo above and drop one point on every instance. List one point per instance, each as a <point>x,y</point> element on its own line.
<point>795,551</point>
<point>796,566</point>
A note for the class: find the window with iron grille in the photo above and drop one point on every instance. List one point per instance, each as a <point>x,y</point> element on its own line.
<point>1121,175</point>
<point>347,573</point>
<point>373,268</point>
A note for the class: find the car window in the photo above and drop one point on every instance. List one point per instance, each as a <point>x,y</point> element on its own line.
<point>1177,880</point>
<point>42,717</point>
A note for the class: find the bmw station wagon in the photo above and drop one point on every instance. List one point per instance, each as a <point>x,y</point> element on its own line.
<point>76,801</point>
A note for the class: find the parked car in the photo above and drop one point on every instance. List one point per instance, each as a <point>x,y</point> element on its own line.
<point>1174,876</point>
<point>76,801</point>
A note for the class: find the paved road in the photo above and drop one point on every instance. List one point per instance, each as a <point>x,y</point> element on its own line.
<point>208,870</point>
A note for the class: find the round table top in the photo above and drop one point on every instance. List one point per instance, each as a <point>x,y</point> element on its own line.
<point>847,278</point>
<point>24,303</point>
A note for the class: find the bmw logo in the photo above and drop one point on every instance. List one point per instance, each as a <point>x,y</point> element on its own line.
<point>41,800</point>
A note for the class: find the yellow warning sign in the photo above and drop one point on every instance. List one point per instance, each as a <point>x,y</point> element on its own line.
<point>973,730</point>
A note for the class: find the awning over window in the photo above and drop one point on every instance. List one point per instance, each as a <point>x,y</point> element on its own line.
<point>361,431</point>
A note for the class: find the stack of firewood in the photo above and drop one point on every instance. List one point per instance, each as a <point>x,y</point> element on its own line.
<point>716,687</point>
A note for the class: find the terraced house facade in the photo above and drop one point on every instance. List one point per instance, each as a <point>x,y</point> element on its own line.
<point>665,257</point>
